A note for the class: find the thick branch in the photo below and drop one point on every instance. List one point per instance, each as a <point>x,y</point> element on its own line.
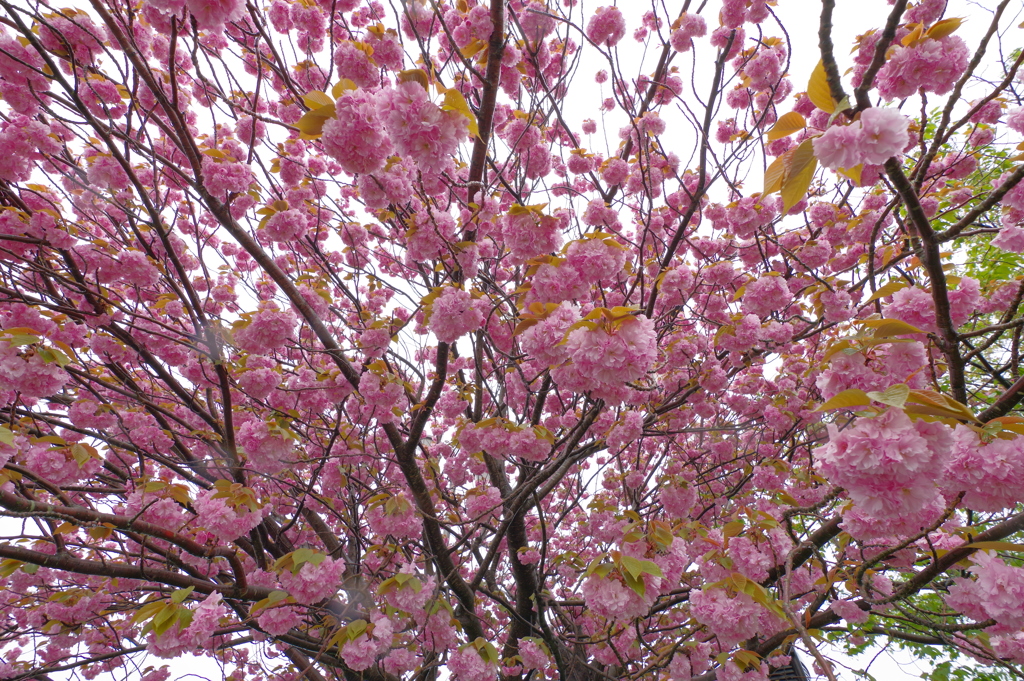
<point>930,257</point>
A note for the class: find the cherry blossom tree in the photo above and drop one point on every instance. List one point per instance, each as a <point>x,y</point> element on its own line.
<point>337,342</point>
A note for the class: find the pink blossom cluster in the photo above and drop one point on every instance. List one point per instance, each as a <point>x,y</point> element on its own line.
<point>26,371</point>
<point>419,128</point>
<point>606,26</point>
<point>205,619</point>
<point>996,592</point>
<point>917,307</point>
<point>356,136</point>
<point>56,464</point>
<point>225,521</point>
<point>279,619</point>
<point>22,83</point>
<point>543,340</point>
<point>268,329</point>
<point>731,618</point>
<point>603,360</point>
<point>380,397</point>
<point>222,178</point>
<point>608,596</point>
<point>929,65</point>
<point>361,652</point>
<point>991,474</point>
<point>24,142</point>
<point>455,313</point>
<point>287,225</point>
<point>528,233</point>
<point>355,64</point>
<point>690,26</point>
<point>504,442</point>
<point>887,465</point>
<point>312,583</point>
<point>466,664</point>
<point>765,295</point>
<point>473,25</point>
<point>876,137</point>
<point>397,518</point>
<point>887,365</point>
<point>265,451</point>
<point>214,14</point>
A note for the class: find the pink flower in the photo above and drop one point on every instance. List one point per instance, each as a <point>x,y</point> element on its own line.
<point>223,178</point>
<point>883,134</point>
<point>616,357</point>
<point>313,582</point>
<point>454,314</point>
<point>529,233</point>
<point>606,26</point>
<point>205,619</point>
<point>226,522</point>
<point>849,611</point>
<point>879,135</point>
<point>608,597</point>
<point>886,464</point>
<point>213,14</point>
<point>466,664</point>
<point>996,592</point>
<point>136,268</point>
<point>1015,120</point>
<point>731,619</point>
<point>1015,197</point>
<point>268,329</point>
<point>419,128</point>
<point>354,64</point>
<point>543,340</point>
<point>21,77</point>
<point>1010,238</point>
<point>356,137</point>
<point>931,65</point>
<point>615,171</point>
<point>766,295</point>
<point>690,26</point>
<point>991,474</point>
<point>287,225</point>
<point>396,516</point>
<point>266,451</point>
<point>277,620</point>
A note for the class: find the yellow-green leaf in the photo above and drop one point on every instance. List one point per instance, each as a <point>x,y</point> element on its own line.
<point>894,396</point>
<point>945,27</point>
<point>887,290</point>
<point>311,125</point>
<point>795,186</point>
<point>774,175</point>
<point>414,75</point>
<point>454,101</point>
<point>818,91</point>
<point>787,125</point>
<point>341,86</point>
<point>317,99</point>
<point>995,546</point>
<point>853,397</point>
<point>853,173</point>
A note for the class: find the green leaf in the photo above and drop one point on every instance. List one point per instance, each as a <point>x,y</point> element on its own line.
<point>894,396</point>
<point>180,595</point>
